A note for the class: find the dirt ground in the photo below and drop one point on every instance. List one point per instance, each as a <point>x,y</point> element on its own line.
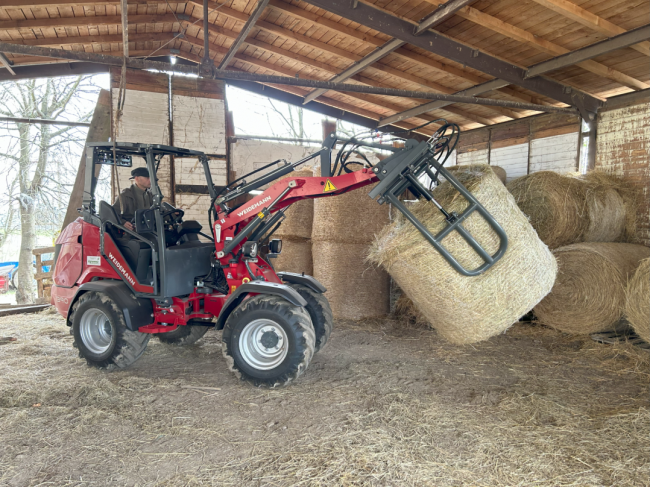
<point>382,404</point>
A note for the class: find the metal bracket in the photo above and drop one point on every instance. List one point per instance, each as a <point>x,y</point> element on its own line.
<point>579,102</point>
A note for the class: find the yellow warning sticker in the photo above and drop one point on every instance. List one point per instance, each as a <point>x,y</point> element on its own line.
<point>260,215</point>
<point>329,187</point>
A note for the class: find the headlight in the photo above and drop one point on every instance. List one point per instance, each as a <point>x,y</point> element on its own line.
<point>275,246</point>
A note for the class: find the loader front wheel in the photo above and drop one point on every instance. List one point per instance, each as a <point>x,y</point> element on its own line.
<point>101,335</point>
<point>267,341</point>
<point>320,313</point>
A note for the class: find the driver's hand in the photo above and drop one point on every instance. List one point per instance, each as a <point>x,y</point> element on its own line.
<point>129,225</point>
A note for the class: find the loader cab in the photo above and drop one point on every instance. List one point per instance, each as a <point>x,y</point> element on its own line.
<point>163,257</point>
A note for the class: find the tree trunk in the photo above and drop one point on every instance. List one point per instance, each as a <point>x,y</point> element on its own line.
<point>25,275</point>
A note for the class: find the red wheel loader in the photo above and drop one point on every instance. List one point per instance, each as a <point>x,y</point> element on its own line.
<point>117,287</point>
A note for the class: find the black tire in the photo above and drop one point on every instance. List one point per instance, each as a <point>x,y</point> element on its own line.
<point>183,335</point>
<point>123,346</point>
<point>295,350</point>
<point>320,312</point>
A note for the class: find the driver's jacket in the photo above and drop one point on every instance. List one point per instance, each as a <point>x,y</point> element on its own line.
<point>133,198</point>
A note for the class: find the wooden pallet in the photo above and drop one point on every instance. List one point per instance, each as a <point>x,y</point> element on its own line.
<point>625,335</point>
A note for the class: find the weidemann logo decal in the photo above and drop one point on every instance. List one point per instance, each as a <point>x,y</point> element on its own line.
<point>122,269</point>
<point>253,206</point>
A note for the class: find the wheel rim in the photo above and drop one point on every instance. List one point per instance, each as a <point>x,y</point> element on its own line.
<point>263,344</point>
<point>96,331</point>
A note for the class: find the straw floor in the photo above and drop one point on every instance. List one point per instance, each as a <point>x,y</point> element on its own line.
<point>380,405</point>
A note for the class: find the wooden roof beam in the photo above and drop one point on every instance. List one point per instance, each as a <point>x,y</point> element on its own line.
<point>548,47</point>
<point>405,54</point>
<point>574,57</point>
<point>588,19</point>
<point>250,22</point>
<point>7,64</point>
<point>428,107</point>
<point>375,100</point>
<point>440,15</point>
<point>444,46</point>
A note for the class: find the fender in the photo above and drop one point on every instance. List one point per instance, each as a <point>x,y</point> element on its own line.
<point>308,281</point>
<point>258,287</point>
<point>137,311</point>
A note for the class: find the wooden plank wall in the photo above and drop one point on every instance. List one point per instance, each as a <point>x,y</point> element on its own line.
<point>623,148</point>
<point>543,142</point>
<point>198,121</point>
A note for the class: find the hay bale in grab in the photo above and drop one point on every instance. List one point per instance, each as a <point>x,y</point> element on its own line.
<point>355,289</point>
<point>295,256</point>
<point>468,309</point>
<point>637,301</point>
<point>589,293</point>
<point>300,215</point>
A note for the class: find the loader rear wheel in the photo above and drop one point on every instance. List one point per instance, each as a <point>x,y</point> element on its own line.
<point>183,335</point>
<point>320,313</point>
<point>267,341</point>
<point>101,335</point>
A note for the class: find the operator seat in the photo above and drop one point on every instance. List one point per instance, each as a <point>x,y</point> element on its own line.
<point>136,253</point>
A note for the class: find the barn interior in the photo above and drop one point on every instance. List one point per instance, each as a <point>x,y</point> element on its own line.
<point>535,372</point>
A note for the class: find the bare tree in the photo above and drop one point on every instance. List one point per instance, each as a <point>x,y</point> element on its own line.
<point>28,150</point>
<point>294,119</point>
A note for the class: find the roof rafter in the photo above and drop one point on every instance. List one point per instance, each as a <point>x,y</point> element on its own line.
<point>447,47</point>
<point>602,47</point>
<point>259,8</point>
<point>373,99</point>
<point>548,47</point>
<point>440,15</point>
<point>588,19</point>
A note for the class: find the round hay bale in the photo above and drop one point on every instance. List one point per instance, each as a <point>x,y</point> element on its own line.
<point>355,289</point>
<point>556,206</point>
<point>606,211</point>
<point>630,199</point>
<point>352,217</point>
<point>637,301</point>
<point>468,309</point>
<point>295,256</point>
<point>500,172</point>
<point>300,215</point>
<point>589,293</point>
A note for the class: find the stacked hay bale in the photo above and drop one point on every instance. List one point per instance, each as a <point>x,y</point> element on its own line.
<point>589,293</point>
<point>468,309</point>
<point>295,233</point>
<point>567,209</point>
<point>637,301</point>
<point>344,226</point>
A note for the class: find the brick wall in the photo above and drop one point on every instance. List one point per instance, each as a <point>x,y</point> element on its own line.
<point>622,148</point>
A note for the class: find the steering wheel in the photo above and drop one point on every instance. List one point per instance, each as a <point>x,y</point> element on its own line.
<point>175,215</point>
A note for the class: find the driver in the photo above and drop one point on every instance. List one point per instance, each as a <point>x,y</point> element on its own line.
<point>136,197</point>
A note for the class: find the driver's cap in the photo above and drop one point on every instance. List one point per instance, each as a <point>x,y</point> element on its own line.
<point>139,171</point>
